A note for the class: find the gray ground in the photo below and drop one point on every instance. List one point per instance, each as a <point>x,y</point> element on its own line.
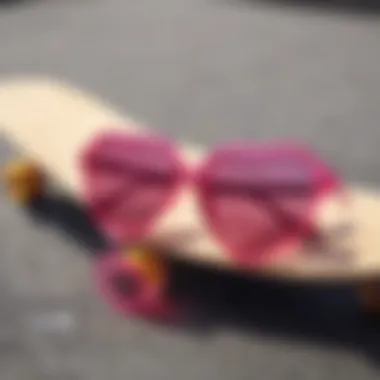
<point>203,70</point>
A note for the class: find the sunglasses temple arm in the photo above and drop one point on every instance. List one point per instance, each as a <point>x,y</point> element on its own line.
<point>284,217</point>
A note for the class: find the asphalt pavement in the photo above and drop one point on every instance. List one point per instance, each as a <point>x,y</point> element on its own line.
<point>201,70</point>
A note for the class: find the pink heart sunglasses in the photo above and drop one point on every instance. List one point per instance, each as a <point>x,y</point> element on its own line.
<point>256,199</point>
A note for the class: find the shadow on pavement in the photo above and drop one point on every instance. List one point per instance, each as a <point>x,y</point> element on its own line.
<point>14,3</point>
<point>360,7</point>
<point>322,314</point>
<point>68,217</point>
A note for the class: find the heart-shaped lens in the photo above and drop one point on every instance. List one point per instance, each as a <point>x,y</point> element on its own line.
<point>258,200</point>
<point>128,182</point>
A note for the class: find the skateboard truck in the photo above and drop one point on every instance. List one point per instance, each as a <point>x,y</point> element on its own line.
<point>369,297</point>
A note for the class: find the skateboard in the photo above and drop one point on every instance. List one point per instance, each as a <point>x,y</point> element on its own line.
<point>274,208</point>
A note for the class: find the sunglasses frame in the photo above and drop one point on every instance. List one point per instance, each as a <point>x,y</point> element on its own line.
<point>196,177</point>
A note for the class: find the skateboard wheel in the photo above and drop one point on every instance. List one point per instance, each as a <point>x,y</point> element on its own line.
<point>131,284</point>
<point>369,297</point>
<point>22,180</point>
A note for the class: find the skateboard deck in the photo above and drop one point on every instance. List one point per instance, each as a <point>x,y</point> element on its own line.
<point>50,121</point>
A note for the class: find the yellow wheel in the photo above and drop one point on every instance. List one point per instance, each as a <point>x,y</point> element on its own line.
<point>23,180</point>
<point>133,282</point>
<point>150,264</point>
<point>369,296</point>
